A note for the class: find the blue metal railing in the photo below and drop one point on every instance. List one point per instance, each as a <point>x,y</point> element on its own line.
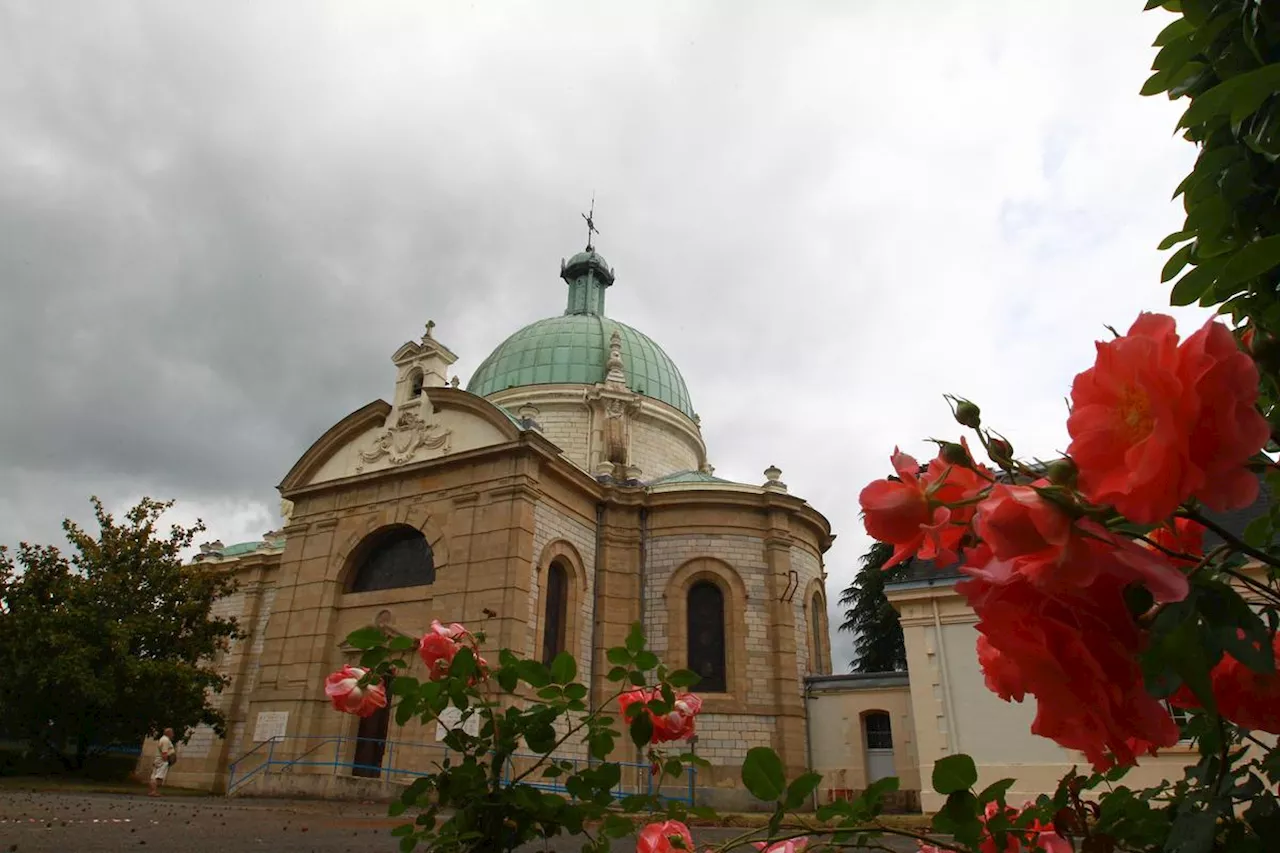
<point>276,754</point>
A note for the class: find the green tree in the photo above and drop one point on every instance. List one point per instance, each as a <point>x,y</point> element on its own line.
<point>878,644</point>
<point>113,644</point>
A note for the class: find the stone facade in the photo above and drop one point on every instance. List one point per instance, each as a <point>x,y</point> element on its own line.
<point>554,475</point>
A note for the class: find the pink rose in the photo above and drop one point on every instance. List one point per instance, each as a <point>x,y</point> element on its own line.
<point>439,646</point>
<point>659,838</point>
<point>791,845</point>
<point>344,691</point>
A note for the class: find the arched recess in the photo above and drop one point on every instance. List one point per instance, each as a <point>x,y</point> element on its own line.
<point>562,554</point>
<point>734,592</point>
<point>817,628</point>
<point>345,558</point>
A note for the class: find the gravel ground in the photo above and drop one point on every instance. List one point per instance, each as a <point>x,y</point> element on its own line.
<point>50,822</point>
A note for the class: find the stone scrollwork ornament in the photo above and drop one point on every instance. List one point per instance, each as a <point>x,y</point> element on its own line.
<point>401,441</point>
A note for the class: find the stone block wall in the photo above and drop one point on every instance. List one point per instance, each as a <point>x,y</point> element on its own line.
<point>808,569</point>
<point>657,450</point>
<point>721,741</point>
<point>569,427</point>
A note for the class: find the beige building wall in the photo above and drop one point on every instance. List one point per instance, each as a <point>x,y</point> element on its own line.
<point>954,712</point>
<point>838,708</point>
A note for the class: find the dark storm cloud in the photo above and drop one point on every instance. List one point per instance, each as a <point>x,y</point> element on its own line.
<point>218,220</point>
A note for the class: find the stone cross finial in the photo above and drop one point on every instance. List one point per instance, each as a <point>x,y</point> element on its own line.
<point>431,324</point>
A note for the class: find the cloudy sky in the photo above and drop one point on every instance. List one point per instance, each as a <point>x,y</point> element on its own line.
<point>218,220</point>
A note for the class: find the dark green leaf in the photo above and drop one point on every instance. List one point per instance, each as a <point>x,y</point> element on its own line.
<point>617,826</point>
<point>995,791</point>
<point>366,638</point>
<point>1220,99</point>
<point>405,711</point>
<point>600,744</point>
<point>801,788</point>
<point>540,736</point>
<point>635,638</point>
<point>1174,239</point>
<point>551,691</point>
<point>1180,27</point>
<point>373,657</point>
<point>618,656</point>
<point>617,673</point>
<point>762,773</point>
<point>1175,54</point>
<point>1258,532</point>
<point>396,809</point>
<point>401,644</point>
<point>683,678</point>
<point>954,773</point>
<point>463,665</point>
<point>508,679</point>
<point>636,677</point>
<point>1252,260</point>
<point>564,668</point>
<point>641,729</point>
<point>533,673</point>
<point>575,691</point>
<point>402,830</point>
<point>1193,285</point>
<point>408,843</point>
<point>1176,263</point>
<point>646,660</point>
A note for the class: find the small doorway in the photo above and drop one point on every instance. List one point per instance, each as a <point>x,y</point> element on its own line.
<point>879,740</point>
<point>371,739</point>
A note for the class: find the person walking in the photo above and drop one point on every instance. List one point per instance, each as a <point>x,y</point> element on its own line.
<point>166,757</point>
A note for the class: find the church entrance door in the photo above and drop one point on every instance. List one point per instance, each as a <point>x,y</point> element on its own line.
<point>371,740</point>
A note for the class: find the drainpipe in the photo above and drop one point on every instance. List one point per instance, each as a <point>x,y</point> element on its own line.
<point>952,731</point>
<point>644,566</point>
<point>597,624</point>
<point>808,735</point>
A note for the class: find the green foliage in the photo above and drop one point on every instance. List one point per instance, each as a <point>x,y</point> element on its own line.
<point>878,645</point>
<point>113,644</point>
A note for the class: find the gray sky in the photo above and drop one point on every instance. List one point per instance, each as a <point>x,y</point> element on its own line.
<point>218,220</point>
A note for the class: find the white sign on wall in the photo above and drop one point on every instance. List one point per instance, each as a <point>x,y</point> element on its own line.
<point>270,724</point>
<point>450,717</point>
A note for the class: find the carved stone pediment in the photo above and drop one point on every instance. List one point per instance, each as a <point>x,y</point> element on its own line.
<point>406,432</point>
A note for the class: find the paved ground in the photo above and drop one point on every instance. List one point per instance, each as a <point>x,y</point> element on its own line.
<point>69,823</point>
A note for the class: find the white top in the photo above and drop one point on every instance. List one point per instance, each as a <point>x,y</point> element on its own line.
<point>166,746</point>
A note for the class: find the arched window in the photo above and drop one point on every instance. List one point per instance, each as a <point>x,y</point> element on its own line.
<point>706,636</point>
<point>879,730</point>
<point>415,384</point>
<point>555,612</point>
<point>817,623</point>
<point>395,557</point>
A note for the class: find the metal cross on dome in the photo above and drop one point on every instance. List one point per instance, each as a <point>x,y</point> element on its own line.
<point>591,224</point>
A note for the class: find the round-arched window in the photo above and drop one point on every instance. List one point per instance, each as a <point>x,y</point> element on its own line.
<point>706,636</point>
<point>395,557</point>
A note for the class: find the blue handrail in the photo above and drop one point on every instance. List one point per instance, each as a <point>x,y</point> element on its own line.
<point>388,769</point>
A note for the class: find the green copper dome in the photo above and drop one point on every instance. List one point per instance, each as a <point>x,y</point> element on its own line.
<point>572,349</point>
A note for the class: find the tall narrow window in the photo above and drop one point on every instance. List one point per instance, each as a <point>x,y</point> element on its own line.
<point>557,607</point>
<point>817,621</point>
<point>706,636</point>
<point>395,557</point>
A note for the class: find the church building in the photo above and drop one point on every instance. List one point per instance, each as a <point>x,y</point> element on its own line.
<point>565,494</point>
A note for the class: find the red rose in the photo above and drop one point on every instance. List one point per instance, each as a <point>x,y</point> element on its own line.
<point>1077,652</point>
<point>1229,428</point>
<point>1245,697</point>
<point>1182,536</point>
<point>912,512</point>
<point>1131,421</point>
